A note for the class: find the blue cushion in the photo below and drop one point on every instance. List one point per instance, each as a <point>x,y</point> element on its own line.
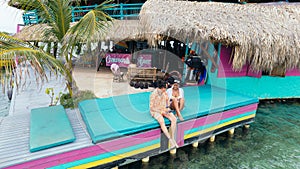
<point>116,116</point>
<point>49,127</point>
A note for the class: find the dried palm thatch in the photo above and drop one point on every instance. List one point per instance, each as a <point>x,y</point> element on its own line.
<point>120,30</point>
<point>35,33</point>
<point>124,30</point>
<point>264,35</point>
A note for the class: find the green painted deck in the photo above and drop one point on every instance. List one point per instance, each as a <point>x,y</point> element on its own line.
<point>49,127</point>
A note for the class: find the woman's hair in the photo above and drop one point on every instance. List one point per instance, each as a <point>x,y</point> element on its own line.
<point>161,84</point>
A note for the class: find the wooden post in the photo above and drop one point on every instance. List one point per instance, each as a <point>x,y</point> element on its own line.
<point>146,159</point>
<point>185,57</point>
<point>231,131</point>
<point>173,151</point>
<point>212,138</point>
<point>195,144</point>
<point>247,126</point>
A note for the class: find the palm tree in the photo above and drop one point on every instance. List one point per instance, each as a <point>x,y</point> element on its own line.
<point>57,14</point>
<point>11,48</point>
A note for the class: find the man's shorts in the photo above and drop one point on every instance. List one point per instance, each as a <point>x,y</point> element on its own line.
<point>156,115</point>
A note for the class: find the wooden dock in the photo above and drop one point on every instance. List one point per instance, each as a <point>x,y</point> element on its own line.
<point>122,130</point>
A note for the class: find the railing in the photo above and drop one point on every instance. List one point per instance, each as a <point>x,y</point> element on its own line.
<point>30,17</point>
<point>118,11</point>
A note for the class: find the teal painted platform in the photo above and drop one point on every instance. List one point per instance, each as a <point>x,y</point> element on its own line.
<point>49,127</point>
<point>108,118</point>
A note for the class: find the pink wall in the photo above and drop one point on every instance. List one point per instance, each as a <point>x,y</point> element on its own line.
<point>293,72</point>
<point>19,27</point>
<point>225,64</point>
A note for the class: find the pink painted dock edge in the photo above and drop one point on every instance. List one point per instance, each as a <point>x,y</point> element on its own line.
<point>210,119</point>
<point>94,150</point>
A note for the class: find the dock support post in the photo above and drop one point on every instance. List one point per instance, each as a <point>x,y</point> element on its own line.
<point>195,144</point>
<point>212,138</point>
<point>231,131</point>
<point>247,126</point>
<point>173,151</point>
<point>146,159</point>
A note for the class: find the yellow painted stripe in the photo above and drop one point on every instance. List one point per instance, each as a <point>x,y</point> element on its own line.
<point>217,126</point>
<point>117,157</point>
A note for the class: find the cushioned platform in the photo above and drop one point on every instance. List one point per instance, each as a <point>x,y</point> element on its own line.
<point>49,127</point>
<point>112,117</point>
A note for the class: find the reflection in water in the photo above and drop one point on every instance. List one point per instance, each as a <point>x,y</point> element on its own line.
<point>271,142</point>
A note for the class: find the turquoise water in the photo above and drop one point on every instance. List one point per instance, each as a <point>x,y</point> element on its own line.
<point>273,141</point>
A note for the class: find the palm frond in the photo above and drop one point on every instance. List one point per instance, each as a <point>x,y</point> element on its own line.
<point>39,5</point>
<point>90,28</point>
<point>56,14</point>
<point>61,16</point>
<point>38,59</point>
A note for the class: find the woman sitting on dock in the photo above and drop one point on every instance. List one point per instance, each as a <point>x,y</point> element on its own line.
<point>176,96</point>
<point>159,110</point>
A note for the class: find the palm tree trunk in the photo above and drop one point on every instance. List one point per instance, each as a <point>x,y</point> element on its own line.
<point>55,49</point>
<point>71,84</point>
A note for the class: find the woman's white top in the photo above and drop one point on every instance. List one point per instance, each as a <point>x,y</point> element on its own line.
<point>170,93</point>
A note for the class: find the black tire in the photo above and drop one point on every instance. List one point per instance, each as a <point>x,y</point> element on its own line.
<point>137,85</point>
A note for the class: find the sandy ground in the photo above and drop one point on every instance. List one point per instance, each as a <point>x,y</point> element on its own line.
<point>101,82</point>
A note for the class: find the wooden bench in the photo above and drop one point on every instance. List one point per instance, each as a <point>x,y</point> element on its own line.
<point>144,74</point>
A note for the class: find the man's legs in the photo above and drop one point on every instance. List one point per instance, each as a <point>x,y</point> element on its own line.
<point>161,122</point>
<point>163,127</point>
<point>173,120</point>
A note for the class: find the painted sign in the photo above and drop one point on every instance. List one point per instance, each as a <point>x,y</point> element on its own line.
<point>121,59</point>
<point>144,60</point>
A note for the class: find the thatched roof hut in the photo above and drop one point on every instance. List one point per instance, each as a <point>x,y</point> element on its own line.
<point>264,35</point>
<point>34,33</point>
<point>120,30</point>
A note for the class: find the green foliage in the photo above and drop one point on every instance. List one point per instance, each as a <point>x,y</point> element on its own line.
<point>66,100</point>
<point>72,102</point>
<point>83,95</point>
<point>50,92</point>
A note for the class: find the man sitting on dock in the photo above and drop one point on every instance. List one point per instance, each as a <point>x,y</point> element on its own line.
<point>159,110</point>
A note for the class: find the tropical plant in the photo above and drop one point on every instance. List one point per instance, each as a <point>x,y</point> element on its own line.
<point>53,100</point>
<point>66,100</point>
<point>70,102</point>
<point>10,51</point>
<point>57,15</point>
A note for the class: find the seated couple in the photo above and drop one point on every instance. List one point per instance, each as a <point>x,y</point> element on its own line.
<point>158,109</point>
